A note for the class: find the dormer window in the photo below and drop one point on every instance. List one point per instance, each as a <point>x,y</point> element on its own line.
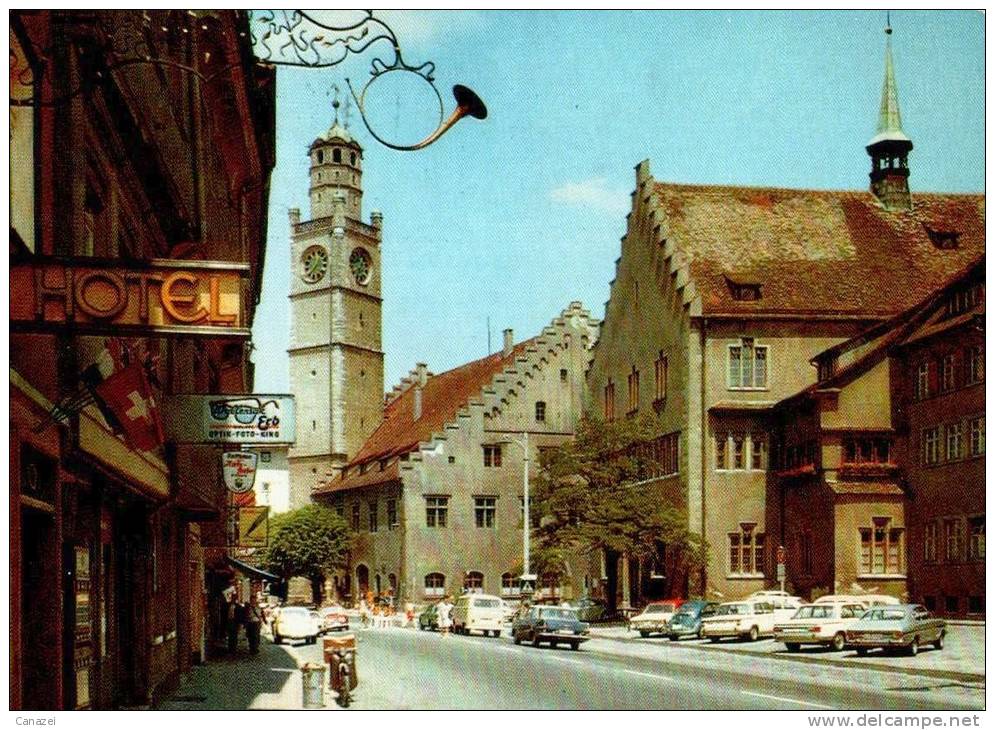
<point>743,289</point>
<point>944,240</point>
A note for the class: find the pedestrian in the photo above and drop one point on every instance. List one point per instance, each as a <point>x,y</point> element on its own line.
<point>253,623</point>
<point>444,612</point>
<point>231,622</point>
<point>364,613</point>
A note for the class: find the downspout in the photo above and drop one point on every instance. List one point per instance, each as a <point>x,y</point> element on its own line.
<point>704,452</point>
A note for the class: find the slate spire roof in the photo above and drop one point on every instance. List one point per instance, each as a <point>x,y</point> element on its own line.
<point>889,117</point>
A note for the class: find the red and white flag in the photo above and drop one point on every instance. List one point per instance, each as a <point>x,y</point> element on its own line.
<point>126,393</point>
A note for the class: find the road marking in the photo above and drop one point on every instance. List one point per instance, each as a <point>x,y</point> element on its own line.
<point>561,659</point>
<point>785,699</point>
<point>648,674</point>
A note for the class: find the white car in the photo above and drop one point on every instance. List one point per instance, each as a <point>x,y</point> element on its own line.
<point>819,623</point>
<point>295,623</point>
<point>655,618</point>
<point>749,619</point>
<point>478,612</point>
<point>783,603</point>
<point>866,600</point>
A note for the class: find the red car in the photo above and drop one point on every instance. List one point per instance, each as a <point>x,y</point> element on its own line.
<point>333,618</point>
<point>655,618</point>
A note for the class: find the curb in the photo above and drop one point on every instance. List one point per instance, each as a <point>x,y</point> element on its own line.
<point>965,677</point>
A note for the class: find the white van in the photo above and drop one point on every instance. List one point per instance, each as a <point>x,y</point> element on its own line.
<point>478,612</point>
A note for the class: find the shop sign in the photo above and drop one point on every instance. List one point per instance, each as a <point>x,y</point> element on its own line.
<point>239,469</point>
<point>155,297</point>
<point>248,527</point>
<point>229,419</point>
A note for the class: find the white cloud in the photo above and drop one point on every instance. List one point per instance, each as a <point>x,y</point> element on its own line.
<point>592,193</point>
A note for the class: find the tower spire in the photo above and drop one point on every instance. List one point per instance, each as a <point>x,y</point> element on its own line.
<point>890,146</point>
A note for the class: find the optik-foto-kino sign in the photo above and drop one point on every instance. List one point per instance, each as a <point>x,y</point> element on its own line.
<point>229,419</point>
<point>155,297</point>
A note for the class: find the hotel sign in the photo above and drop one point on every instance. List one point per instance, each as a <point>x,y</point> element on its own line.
<point>159,296</point>
<point>229,419</point>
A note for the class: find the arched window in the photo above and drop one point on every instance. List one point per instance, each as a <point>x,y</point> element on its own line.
<point>352,158</point>
<point>363,578</point>
<point>508,585</point>
<point>321,156</point>
<point>392,583</point>
<point>336,155</point>
<point>376,584</point>
<point>435,584</point>
<point>474,582</point>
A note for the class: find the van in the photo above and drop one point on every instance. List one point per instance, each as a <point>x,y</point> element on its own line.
<point>478,612</point>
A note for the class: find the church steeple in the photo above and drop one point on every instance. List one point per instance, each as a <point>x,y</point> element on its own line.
<point>889,148</point>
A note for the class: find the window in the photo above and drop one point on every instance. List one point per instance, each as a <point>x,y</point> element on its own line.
<point>929,542</point>
<point>947,365</point>
<point>660,377</point>
<point>881,548</point>
<point>737,453</point>
<point>721,443</point>
<point>977,435</point>
<point>661,455</point>
<point>373,515</point>
<point>922,381</point>
<point>321,156</point>
<point>953,539</point>
<point>633,390</point>
<point>540,410</point>
<point>392,523</point>
<point>976,538</point>
<point>435,584</point>
<point>610,401</point>
<point>746,552</point>
<point>563,375</point>
<point>436,511</point>
<point>508,585</point>
<point>866,451</point>
<point>975,604</point>
<point>474,582</point>
<point>931,445</point>
<point>337,155</point>
<point>805,552</point>
<point>951,604</point>
<point>758,453</point>
<point>355,516</point>
<point>748,365</point>
<point>534,516</point>
<point>975,364</point>
<point>954,441</point>
<point>492,455</point>
<point>340,510</point>
<point>484,511</point>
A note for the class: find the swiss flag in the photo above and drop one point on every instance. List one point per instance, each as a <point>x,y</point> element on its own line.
<point>127,395</point>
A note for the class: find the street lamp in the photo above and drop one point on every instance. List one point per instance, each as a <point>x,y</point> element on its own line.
<point>527,580</point>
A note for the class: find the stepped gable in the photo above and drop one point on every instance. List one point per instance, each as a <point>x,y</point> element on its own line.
<point>814,251</point>
<point>442,398</point>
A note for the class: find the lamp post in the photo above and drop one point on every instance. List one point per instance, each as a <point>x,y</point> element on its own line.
<point>527,579</point>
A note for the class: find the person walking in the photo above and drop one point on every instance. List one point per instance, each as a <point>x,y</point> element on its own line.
<point>231,622</point>
<point>253,623</point>
<point>444,610</point>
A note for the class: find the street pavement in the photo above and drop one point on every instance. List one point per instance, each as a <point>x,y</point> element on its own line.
<point>409,669</point>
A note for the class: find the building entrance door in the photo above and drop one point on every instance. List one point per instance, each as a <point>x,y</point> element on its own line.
<point>39,611</point>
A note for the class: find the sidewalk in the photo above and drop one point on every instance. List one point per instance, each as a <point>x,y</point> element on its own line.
<point>267,681</point>
<point>962,659</point>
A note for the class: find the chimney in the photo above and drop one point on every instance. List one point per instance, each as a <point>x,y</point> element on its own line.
<point>421,369</point>
<point>509,342</point>
<point>417,402</point>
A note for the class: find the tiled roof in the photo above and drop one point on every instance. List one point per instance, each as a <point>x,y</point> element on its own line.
<point>817,251</point>
<point>442,398</point>
<point>373,475</point>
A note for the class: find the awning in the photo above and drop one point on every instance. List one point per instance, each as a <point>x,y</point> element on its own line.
<point>252,571</point>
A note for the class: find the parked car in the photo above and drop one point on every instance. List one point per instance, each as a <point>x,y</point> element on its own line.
<point>867,600</point>
<point>905,626</point>
<point>784,606</point>
<point>591,610</point>
<point>478,612</point>
<point>551,624</point>
<point>749,619</point>
<point>428,620</point>
<point>293,623</point>
<point>333,618</point>
<point>819,623</point>
<point>655,618</point>
<point>687,621</point>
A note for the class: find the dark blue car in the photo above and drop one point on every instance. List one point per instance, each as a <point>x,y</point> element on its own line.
<point>552,624</point>
<point>687,621</point>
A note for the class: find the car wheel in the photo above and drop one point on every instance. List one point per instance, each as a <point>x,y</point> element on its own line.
<point>517,637</point>
<point>553,644</point>
<point>535,641</point>
<point>672,637</point>
<point>277,639</point>
<point>862,651</point>
<point>839,642</point>
<point>497,634</point>
<point>938,644</point>
<point>793,647</point>
<point>714,639</point>
<point>913,649</point>
<point>754,633</point>
<point>574,645</point>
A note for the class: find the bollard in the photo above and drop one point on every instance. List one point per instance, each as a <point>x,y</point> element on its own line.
<point>313,681</point>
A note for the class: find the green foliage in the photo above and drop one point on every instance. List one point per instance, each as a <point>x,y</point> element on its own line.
<point>593,495</point>
<point>307,542</point>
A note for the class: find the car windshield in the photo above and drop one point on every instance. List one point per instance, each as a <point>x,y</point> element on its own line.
<point>732,609</point>
<point>560,613</point>
<point>294,612</point>
<point>330,611</point>
<point>884,614</point>
<point>814,612</point>
<point>486,603</point>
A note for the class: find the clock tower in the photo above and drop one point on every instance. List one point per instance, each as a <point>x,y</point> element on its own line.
<point>336,359</point>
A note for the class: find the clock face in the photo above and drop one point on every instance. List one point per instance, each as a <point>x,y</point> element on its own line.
<point>314,264</point>
<point>361,266</point>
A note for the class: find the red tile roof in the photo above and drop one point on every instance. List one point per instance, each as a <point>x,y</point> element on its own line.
<point>817,251</point>
<point>442,398</point>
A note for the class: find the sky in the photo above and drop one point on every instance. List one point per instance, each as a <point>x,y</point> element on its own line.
<point>513,217</point>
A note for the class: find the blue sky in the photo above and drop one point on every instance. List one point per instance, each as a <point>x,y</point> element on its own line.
<point>514,217</point>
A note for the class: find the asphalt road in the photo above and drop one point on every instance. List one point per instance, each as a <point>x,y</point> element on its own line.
<point>407,669</point>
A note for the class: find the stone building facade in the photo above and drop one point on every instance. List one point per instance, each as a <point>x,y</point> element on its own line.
<point>435,495</point>
<point>336,360</point>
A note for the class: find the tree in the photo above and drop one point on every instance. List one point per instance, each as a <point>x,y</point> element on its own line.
<point>307,542</point>
<point>596,494</point>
